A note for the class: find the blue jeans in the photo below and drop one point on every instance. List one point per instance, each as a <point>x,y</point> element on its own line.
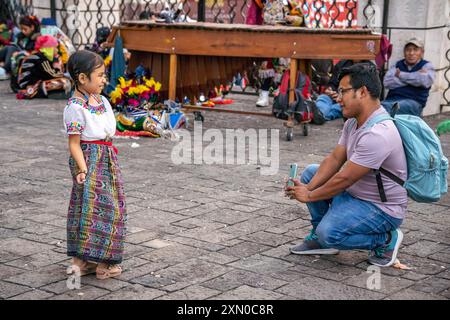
<point>330,110</point>
<point>6,54</point>
<point>345,222</point>
<point>406,106</point>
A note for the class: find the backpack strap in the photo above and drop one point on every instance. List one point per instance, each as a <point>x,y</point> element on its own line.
<point>377,172</point>
<point>380,185</point>
<point>387,173</point>
<point>370,123</point>
<point>377,119</point>
<point>392,176</point>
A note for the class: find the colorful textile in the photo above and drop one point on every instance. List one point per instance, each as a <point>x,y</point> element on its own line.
<point>127,133</point>
<point>74,127</point>
<point>37,76</point>
<point>96,126</point>
<point>65,46</point>
<point>96,222</point>
<point>44,88</point>
<point>254,14</point>
<point>98,109</point>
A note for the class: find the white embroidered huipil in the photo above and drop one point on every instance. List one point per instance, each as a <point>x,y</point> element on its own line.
<point>91,122</point>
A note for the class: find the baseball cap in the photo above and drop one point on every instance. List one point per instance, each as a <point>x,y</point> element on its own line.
<point>415,41</point>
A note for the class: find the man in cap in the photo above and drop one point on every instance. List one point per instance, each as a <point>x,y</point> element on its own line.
<point>409,80</point>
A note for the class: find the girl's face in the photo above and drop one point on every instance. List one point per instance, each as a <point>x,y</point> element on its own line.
<point>26,30</point>
<point>96,83</point>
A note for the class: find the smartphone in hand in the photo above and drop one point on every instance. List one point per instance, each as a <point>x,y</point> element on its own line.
<point>292,173</point>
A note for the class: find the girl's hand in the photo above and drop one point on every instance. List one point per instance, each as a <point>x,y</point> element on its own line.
<point>81,178</point>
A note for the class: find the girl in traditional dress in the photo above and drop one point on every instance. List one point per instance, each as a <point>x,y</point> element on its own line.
<point>97,215</point>
<point>40,75</point>
<point>30,31</point>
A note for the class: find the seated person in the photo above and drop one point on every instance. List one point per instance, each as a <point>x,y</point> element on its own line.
<point>326,102</point>
<point>30,28</point>
<point>41,74</point>
<point>409,80</point>
<point>99,46</point>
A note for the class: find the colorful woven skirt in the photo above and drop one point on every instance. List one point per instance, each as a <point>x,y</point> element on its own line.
<point>97,214</point>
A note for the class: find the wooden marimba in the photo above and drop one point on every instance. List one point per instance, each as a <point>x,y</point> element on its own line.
<point>189,58</point>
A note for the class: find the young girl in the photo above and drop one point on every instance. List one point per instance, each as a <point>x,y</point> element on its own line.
<point>97,215</point>
<point>30,28</point>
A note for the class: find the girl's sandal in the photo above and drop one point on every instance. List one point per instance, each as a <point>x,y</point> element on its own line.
<point>110,272</point>
<point>85,269</point>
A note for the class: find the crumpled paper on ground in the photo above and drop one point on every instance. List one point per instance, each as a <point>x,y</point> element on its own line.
<point>398,265</point>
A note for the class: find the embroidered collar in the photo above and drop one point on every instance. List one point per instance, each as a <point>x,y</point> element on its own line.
<point>99,109</point>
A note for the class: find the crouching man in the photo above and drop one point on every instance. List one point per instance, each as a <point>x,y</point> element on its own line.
<point>341,193</point>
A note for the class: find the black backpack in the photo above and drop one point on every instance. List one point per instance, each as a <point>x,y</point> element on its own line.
<point>300,108</point>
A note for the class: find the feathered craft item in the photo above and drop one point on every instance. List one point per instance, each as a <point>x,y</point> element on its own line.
<point>129,95</point>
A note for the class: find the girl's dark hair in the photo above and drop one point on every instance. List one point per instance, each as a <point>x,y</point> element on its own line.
<point>83,61</point>
<point>31,21</point>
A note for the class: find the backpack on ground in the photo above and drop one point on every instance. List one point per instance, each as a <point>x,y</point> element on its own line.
<point>427,165</point>
<point>301,107</point>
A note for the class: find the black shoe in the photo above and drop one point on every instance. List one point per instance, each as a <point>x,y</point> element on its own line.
<point>312,246</point>
<point>318,117</point>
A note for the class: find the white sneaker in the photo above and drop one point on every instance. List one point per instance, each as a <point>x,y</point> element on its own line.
<point>3,74</point>
<point>263,100</point>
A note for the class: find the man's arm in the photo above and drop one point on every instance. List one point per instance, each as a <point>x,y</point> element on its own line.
<point>329,167</point>
<point>391,81</point>
<point>350,174</point>
<point>422,78</point>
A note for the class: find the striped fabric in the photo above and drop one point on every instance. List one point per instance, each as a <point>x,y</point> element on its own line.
<point>97,214</point>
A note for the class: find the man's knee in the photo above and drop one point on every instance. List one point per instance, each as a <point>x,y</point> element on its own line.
<point>410,107</point>
<point>387,105</point>
<point>309,173</point>
<point>328,235</point>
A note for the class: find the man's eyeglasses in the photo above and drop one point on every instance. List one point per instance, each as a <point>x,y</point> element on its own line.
<point>341,91</point>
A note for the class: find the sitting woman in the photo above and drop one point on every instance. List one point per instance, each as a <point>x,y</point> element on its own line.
<point>41,74</point>
<point>30,28</point>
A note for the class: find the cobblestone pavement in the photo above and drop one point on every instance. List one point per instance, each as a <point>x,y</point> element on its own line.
<point>195,231</point>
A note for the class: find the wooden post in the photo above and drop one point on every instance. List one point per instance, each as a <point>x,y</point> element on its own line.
<point>292,82</point>
<point>292,79</point>
<point>173,77</point>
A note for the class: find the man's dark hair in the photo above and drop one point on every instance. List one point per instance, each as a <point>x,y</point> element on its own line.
<point>363,75</point>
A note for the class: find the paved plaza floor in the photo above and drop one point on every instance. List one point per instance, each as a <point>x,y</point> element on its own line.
<point>196,231</point>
